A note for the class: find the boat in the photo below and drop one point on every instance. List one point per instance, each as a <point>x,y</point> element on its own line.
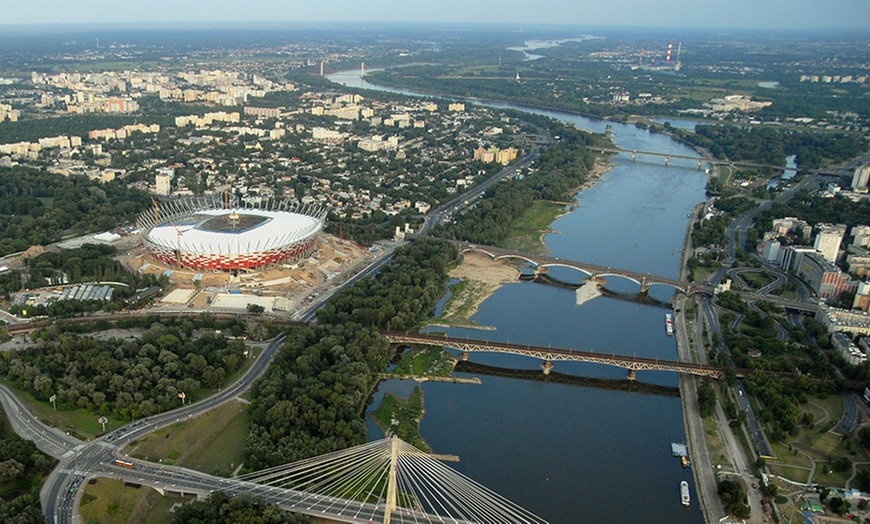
<point>685,461</point>
<point>669,324</point>
<point>684,493</point>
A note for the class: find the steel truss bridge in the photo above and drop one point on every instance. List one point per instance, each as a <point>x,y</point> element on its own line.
<point>550,355</point>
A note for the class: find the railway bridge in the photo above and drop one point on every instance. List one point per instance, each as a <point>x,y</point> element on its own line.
<point>550,355</point>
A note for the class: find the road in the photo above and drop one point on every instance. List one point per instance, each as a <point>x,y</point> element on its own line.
<point>82,459</point>
<point>445,211</point>
<point>741,223</point>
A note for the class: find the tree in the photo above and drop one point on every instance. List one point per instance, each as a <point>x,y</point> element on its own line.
<point>733,496</point>
<point>255,309</point>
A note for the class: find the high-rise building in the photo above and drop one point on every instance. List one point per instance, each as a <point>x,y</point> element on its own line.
<point>823,277</point>
<point>828,239</point>
<point>861,236</point>
<point>162,183</point>
<point>861,177</point>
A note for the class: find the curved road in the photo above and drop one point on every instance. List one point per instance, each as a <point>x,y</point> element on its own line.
<point>79,459</point>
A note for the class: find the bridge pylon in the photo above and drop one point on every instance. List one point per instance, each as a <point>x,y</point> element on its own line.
<point>644,286</point>
<point>667,159</point>
<point>634,156</point>
<point>390,505</point>
<point>632,374</point>
<point>547,366</point>
<point>464,356</point>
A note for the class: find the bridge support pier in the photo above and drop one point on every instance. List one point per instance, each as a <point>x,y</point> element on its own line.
<point>644,287</point>
<point>634,156</point>
<point>700,164</point>
<point>632,374</point>
<point>464,356</point>
<point>667,159</point>
<point>547,366</point>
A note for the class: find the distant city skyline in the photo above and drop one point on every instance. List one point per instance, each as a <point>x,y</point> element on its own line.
<point>664,13</point>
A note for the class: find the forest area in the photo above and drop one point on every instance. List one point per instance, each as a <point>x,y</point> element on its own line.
<point>312,400</point>
<point>22,468</point>
<point>38,208</point>
<point>129,378</point>
<point>765,145</point>
<point>558,172</point>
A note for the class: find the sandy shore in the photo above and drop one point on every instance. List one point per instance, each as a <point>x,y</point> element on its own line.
<point>482,277</point>
<point>591,289</point>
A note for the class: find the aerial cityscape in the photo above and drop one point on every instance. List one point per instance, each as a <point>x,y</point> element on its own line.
<point>353,263</point>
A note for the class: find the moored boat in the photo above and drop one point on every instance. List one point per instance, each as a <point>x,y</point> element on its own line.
<point>684,493</point>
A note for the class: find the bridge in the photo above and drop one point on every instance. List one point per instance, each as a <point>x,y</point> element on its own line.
<point>701,160</point>
<point>550,355</point>
<point>644,280</point>
<point>384,481</point>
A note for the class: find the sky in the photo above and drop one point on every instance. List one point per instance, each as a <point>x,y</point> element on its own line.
<point>648,13</point>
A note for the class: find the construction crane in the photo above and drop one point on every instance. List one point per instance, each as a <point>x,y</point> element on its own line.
<point>156,211</point>
<point>178,247</point>
<point>157,222</point>
<point>234,217</point>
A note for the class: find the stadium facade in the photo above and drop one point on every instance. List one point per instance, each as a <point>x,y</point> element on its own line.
<point>207,233</point>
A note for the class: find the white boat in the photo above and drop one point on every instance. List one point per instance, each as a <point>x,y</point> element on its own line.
<point>684,493</point>
<point>669,324</point>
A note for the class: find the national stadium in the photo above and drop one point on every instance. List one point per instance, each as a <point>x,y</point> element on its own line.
<point>207,233</point>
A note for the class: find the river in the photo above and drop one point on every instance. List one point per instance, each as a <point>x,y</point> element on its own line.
<point>573,453</point>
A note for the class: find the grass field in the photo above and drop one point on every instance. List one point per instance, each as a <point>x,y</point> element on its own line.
<point>211,443</point>
<point>80,423</point>
<point>817,444</point>
<point>715,446</point>
<point>426,362</point>
<point>525,232</point>
<point>402,417</point>
<point>109,501</point>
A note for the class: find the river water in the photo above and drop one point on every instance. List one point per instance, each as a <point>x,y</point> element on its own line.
<point>572,453</point>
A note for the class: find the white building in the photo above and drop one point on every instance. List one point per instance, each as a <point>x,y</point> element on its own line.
<point>828,240</point>
<point>162,182</point>
<point>861,236</point>
<point>861,177</point>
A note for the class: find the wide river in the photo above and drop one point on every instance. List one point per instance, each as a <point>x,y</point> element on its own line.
<point>576,453</point>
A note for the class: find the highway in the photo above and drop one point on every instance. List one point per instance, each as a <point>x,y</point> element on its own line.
<point>82,459</point>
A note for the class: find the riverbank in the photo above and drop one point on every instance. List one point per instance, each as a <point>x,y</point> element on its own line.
<point>699,454</point>
<point>527,233</point>
<point>479,277</point>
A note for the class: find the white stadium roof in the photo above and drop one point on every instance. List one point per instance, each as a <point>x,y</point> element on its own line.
<point>278,228</point>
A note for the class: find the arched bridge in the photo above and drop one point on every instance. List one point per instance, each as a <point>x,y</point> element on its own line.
<point>550,355</point>
<point>644,280</point>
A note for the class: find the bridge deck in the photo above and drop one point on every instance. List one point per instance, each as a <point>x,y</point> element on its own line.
<point>554,354</point>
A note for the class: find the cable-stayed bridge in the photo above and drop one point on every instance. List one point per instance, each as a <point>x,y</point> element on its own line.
<point>385,481</point>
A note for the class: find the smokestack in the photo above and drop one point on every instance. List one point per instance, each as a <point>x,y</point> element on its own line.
<point>321,68</point>
<point>670,48</point>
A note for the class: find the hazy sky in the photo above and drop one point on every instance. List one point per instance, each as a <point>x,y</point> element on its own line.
<point>663,13</point>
